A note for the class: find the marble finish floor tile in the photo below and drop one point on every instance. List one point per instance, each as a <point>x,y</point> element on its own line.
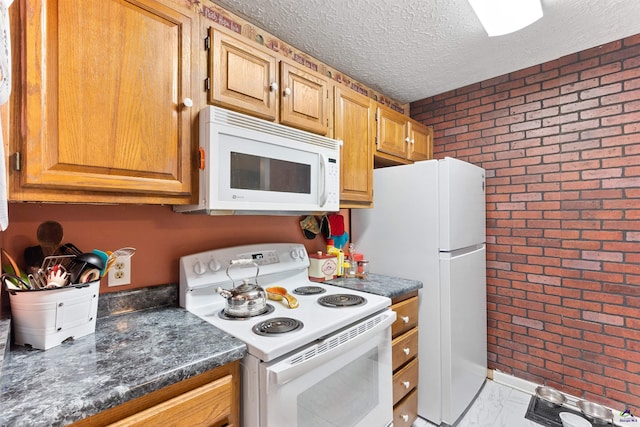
<point>497,405</point>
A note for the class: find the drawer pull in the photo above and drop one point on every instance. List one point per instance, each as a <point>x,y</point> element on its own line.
<point>406,384</point>
<point>406,351</point>
<point>405,319</point>
<point>405,418</point>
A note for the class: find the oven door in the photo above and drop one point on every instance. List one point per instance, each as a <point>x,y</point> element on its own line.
<point>343,380</point>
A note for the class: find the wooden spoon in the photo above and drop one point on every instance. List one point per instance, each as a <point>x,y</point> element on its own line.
<point>14,265</point>
<point>49,236</point>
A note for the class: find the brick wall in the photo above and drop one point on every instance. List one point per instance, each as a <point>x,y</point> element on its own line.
<point>560,143</point>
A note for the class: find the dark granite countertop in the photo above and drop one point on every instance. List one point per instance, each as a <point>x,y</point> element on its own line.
<point>379,284</point>
<point>128,356</point>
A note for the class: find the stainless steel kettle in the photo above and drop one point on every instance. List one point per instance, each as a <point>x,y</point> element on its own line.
<point>247,299</point>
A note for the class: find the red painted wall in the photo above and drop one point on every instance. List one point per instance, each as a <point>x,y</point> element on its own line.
<point>160,236</point>
<point>560,143</point>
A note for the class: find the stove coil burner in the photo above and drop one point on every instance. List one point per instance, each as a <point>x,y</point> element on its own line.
<point>277,326</point>
<point>341,300</point>
<point>309,290</point>
<point>267,310</point>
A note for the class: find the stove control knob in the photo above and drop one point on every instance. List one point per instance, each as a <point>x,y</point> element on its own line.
<point>294,254</point>
<point>302,253</point>
<point>198,268</point>
<point>214,265</point>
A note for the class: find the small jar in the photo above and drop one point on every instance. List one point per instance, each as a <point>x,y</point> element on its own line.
<point>350,268</point>
<point>363,269</point>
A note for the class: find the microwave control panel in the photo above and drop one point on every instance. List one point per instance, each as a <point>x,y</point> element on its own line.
<point>333,183</point>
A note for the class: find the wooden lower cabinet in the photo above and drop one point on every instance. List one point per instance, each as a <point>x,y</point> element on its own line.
<point>210,399</point>
<point>405,380</point>
<point>406,412</point>
<point>404,350</point>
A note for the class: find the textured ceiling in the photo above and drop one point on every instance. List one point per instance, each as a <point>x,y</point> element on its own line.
<point>412,49</point>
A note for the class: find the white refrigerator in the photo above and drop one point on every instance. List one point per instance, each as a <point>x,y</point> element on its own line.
<point>428,223</point>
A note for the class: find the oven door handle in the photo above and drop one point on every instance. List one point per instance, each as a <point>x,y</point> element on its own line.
<point>294,366</point>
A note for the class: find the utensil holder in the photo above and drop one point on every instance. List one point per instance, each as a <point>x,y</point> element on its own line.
<point>45,318</point>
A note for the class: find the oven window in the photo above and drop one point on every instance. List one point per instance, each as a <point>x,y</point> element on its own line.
<point>249,172</point>
<point>343,398</point>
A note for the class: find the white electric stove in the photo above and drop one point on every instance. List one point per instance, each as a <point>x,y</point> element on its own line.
<point>344,347</point>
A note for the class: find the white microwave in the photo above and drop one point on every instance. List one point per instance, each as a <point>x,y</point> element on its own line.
<point>253,166</point>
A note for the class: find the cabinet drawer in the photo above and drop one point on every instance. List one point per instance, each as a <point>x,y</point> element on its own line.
<point>406,412</point>
<point>407,312</point>
<point>404,348</point>
<point>204,405</point>
<point>405,380</point>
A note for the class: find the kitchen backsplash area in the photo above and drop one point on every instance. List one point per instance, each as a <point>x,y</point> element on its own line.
<point>159,235</point>
<point>560,143</point>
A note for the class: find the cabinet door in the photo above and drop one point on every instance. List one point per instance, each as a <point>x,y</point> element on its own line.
<point>393,135</point>
<point>407,316</point>
<point>406,412</point>
<point>104,88</point>
<point>208,405</point>
<point>404,348</point>
<point>353,125</point>
<point>243,77</point>
<point>421,142</point>
<point>304,98</point>
<point>405,380</point>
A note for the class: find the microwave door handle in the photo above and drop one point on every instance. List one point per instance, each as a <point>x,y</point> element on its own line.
<point>323,178</point>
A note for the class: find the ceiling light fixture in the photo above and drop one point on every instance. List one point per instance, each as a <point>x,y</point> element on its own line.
<point>499,17</point>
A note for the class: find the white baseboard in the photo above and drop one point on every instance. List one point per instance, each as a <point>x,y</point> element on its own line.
<point>514,382</point>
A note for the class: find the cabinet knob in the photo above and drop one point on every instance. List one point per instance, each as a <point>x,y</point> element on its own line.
<point>287,91</point>
<point>406,384</point>
<point>273,87</point>
<point>405,319</point>
<point>407,140</point>
<point>405,418</point>
<point>406,351</point>
<point>413,141</point>
<point>187,102</point>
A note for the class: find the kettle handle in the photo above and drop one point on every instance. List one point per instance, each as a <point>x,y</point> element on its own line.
<point>242,262</point>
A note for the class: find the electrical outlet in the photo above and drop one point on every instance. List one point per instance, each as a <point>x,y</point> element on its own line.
<point>120,272</point>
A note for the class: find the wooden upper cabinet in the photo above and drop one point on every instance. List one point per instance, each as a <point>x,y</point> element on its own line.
<point>304,99</point>
<point>243,78</point>
<point>392,134</point>
<point>253,80</point>
<point>400,139</point>
<point>421,141</point>
<point>353,124</point>
<point>104,85</point>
